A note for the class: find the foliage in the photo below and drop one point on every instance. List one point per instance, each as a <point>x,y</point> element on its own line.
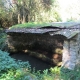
<point>55,70</point>
<point>22,11</point>
<point>3,40</point>
<point>17,75</point>
<point>6,62</point>
<point>7,16</point>
<point>36,11</point>
<point>12,70</point>
<point>24,64</point>
<point>67,74</point>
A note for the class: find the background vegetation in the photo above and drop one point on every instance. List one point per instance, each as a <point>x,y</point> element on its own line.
<point>20,11</point>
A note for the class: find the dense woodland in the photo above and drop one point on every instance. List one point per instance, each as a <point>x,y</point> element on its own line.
<point>20,11</point>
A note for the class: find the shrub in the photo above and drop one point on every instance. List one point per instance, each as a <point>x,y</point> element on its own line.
<point>12,70</point>
<point>67,74</point>
<point>3,40</point>
<point>6,62</point>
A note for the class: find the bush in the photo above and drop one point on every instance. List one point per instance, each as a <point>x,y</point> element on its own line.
<point>12,70</point>
<point>3,40</point>
<point>6,62</point>
<point>67,74</point>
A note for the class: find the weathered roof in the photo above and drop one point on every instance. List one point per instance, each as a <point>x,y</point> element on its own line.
<point>33,30</point>
<point>66,24</point>
<point>67,31</point>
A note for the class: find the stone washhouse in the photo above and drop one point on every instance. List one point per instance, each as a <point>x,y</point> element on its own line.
<point>48,38</point>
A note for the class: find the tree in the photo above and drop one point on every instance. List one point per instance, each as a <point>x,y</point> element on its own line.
<point>36,10</point>
<point>6,14</point>
<point>21,11</point>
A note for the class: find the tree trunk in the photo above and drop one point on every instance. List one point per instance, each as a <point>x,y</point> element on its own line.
<point>24,15</point>
<point>19,21</point>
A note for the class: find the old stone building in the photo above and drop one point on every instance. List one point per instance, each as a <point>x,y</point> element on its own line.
<point>48,38</point>
<point>71,46</point>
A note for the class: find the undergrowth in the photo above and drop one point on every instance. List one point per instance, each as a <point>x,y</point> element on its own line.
<point>3,40</point>
<point>10,69</point>
<point>67,74</point>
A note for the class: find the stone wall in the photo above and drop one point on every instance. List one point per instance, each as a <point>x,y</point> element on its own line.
<point>78,58</point>
<point>71,51</point>
<point>21,41</point>
<point>45,42</point>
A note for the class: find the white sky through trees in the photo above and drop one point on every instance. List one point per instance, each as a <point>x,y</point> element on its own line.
<point>69,9</point>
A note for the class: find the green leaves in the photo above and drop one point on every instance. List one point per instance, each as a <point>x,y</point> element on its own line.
<point>12,70</point>
<point>19,1</point>
<point>3,40</point>
<point>6,62</point>
<point>67,74</point>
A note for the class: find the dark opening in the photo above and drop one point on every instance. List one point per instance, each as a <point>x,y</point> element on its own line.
<point>50,46</point>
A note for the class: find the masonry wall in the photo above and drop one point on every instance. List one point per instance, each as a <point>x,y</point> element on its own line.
<point>78,58</point>
<point>71,57</point>
<point>21,41</point>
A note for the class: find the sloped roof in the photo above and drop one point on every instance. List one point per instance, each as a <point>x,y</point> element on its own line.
<point>65,24</point>
<point>68,31</point>
<point>33,30</point>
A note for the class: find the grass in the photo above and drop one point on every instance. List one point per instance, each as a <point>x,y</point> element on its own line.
<point>36,24</point>
<point>29,25</point>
